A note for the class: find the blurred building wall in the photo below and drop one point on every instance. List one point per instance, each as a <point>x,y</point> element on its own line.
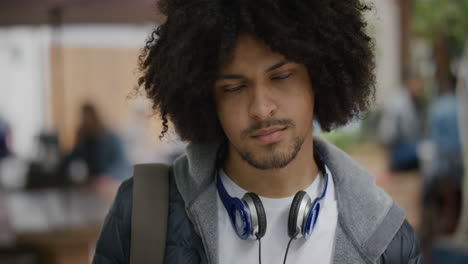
<point>385,26</point>
<point>23,84</point>
<point>101,76</point>
<point>42,89</point>
<point>96,64</point>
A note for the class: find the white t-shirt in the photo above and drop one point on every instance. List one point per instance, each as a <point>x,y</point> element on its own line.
<point>318,248</point>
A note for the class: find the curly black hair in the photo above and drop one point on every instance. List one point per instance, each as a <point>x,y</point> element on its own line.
<point>182,58</point>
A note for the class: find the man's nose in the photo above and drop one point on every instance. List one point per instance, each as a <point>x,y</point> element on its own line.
<point>261,103</point>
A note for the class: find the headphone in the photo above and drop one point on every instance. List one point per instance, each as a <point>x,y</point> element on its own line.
<point>248,215</point>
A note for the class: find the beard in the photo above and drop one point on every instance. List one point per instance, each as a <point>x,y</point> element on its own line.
<point>274,159</point>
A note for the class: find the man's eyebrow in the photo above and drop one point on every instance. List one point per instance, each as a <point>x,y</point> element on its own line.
<point>230,76</point>
<point>238,76</point>
<point>277,65</point>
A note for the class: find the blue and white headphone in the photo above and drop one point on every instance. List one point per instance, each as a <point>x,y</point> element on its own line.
<point>248,215</point>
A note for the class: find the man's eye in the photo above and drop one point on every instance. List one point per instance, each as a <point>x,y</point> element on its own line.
<point>280,77</point>
<point>234,89</point>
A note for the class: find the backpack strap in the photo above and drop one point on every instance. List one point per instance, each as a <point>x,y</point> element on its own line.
<point>149,213</point>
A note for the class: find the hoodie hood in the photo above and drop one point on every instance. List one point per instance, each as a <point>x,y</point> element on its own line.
<point>368,218</point>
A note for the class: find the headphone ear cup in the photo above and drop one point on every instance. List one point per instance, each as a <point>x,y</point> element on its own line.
<point>262,221</point>
<point>294,214</point>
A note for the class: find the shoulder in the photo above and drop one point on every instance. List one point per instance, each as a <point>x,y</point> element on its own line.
<point>113,245</point>
<point>366,212</point>
<point>114,240</point>
<point>123,202</point>
<point>404,247</point>
<point>122,206</point>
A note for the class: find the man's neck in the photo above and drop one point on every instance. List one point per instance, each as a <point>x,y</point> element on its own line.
<point>275,183</point>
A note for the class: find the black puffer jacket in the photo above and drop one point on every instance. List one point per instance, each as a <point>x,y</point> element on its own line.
<point>184,246</point>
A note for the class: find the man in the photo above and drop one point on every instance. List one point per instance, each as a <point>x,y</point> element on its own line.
<point>242,81</point>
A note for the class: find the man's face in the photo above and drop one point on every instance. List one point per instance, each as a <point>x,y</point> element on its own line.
<point>265,105</point>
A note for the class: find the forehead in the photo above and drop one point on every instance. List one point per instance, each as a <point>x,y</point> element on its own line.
<point>250,52</point>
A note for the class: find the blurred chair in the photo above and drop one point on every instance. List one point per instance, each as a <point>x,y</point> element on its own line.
<point>19,256</point>
<point>44,169</point>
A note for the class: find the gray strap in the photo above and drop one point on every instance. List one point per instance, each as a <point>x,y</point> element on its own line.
<point>149,213</point>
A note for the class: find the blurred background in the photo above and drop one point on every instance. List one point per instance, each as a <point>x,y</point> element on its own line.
<point>71,124</point>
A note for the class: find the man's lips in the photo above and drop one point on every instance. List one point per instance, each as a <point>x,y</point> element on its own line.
<point>269,135</point>
<point>267,131</point>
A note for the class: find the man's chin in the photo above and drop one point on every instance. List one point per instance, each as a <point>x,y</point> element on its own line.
<point>266,160</point>
<point>272,156</point>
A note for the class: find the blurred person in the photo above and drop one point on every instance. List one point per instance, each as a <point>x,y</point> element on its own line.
<point>401,125</point>
<point>443,134</point>
<point>100,149</point>
<point>4,139</point>
<point>442,168</point>
<point>242,82</point>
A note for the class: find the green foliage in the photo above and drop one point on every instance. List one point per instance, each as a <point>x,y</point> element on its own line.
<point>344,138</point>
<point>434,17</point>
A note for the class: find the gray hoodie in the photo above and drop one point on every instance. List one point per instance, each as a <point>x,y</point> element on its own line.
<point>371,227</point>
<point>368,218</point>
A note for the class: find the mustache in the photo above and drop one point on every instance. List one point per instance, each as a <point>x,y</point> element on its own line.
<point>267,123</point>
